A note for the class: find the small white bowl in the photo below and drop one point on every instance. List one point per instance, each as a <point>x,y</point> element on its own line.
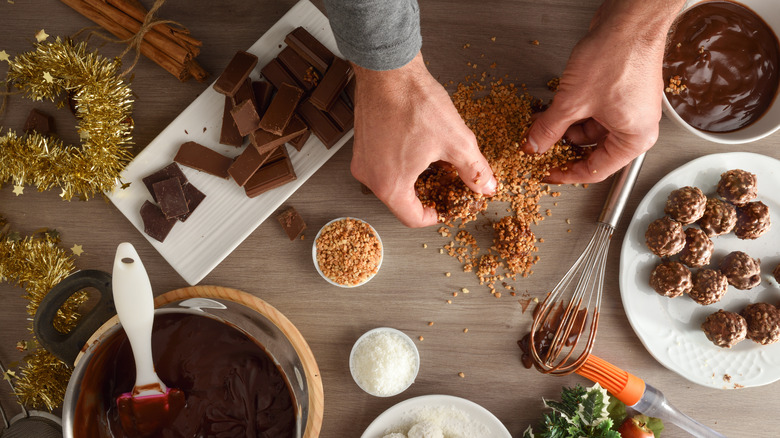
<point>404,338</point>
<point>317,265</point>
<point>769,122</point>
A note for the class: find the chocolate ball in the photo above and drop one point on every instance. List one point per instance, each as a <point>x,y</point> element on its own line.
<point>686,205</point>
<point>719,218</point>
<point>742,271</point>
<point>725,329</point>
<point>665,237</point>
<point>737,186</point>
<point>709,286</point>
<point>752,220</point>
<point>698,248</point>
<point>671,279</point>
<point>763,323</point>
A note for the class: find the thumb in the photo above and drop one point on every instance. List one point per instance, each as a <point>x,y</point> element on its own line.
<point>474,170</point>
<point>547,129</point>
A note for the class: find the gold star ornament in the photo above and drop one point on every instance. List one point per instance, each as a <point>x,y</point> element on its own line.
<point>77,250</point>
<point>41,35</point>
<point>4,56</point>
<point>48,77</point>
<point>18,190</point>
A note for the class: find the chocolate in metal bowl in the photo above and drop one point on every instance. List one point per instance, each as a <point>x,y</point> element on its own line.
<point>246,319</point>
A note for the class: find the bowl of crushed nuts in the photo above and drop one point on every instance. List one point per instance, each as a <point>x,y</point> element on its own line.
<point>347,252</point>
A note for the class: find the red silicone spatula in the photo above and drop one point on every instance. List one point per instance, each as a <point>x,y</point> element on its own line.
<point>151,405</point>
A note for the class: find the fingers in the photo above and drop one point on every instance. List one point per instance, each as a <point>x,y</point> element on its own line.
<point>409,210</point>
<point>548,128</point>
<point>474,170</point>
<point>589,132</point>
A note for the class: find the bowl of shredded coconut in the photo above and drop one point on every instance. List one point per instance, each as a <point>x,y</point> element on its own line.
<point>384,362</point>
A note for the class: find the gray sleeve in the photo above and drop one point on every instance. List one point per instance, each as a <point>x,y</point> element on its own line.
<point>376,34</point>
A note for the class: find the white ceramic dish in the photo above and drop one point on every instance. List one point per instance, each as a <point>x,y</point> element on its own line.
<point>317,265</point>
<point>226,217</point>
<point>770,121</point>
<point>670,328</point>
<point>458,412</point>
<point>402,336</point>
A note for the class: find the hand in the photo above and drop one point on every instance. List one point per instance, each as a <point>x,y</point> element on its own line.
<point>404,121</point>
<point>610,92</point>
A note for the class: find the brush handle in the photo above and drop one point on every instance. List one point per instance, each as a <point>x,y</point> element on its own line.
<point>134,303</point>
<point>618,193</point>
<point>654,404</point>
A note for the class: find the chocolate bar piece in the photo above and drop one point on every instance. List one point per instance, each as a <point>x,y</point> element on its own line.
<point>342,114</point>
<point>281,109</point>
<point>301,70</point>
<point>244,92</point>
<point>332,84</point>
<point>319,122</point>
<point>194,198</point>
<point>270,177</point>
<point>277,75</point>
<point>235,73</point>
<point>229,134</point>
<point>156,225</point>
<point>170,171</point>
<point>264,141</point>
<point>171,198</point>
<point>263,92</point>
<point>249,161</point>
<point>292,223</point>
<point>200,157</point>
<point>310,49</point>
<point>39,122</point>
<point>246,117</point>
<point>301,140</point>
<point>350,91</point>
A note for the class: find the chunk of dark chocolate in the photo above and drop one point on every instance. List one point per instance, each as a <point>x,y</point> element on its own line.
<point>292,223</point>
<point>264,141</point>
<point>235,73</point>
<point>310,49</point>
<point>281,109</point>
<point>277,75</point>
<point>245,92</point>
<point>194,198</point>
<point>263,93</point>
<point>302,71</point>
<point>39,122</point>
<point>171,198</point>
<point>247,164</point>
<point>342,114</point>
<point>319,122</point>
<point>246,117</point>
<point>270,177</point>
<point>332,84</point>
<point>156,225</point>
<point>229,134</point>
<point>170,171</point>
<point>301,140</point>
<point>201,158</point>
<point>350,89</point>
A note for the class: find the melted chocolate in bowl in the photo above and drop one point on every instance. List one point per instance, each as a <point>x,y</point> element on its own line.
<point>232,386</point>
<point>726,57</point>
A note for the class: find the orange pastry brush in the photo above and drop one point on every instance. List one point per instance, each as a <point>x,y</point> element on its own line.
<point>640,396</point>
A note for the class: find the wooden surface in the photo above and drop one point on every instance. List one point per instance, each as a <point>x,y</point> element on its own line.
<point>411,289</point>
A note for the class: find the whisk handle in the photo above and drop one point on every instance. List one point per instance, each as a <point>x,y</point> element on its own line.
<point>655,404</point>
<point>618,194</point>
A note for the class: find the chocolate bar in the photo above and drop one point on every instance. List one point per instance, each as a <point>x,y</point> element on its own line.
<point>39,122</point>
<point>171,198</point>
<point>301,70</point>
<point>170,171</point>
<point>246,117</point>
<point>229,134</point>
<point>332,84</point>
<point>263,92</point>
<point>310,49</point>
<point>244,92</point>
<point>270,177</point>
<point>291,222</point>
<point>350,91</point>
<point>281,109</point>
<point>301,140</point>
<point>264,141</point>
<point>342,114</point>
<point>235,73</point>
<point>156,225</point>
<point>248,162</point>
<point>319,122</point>
<point>277,75</point>
<point>194,198</point>
<point>200,157</point>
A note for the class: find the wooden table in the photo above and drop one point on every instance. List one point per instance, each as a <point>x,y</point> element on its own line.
<point>411,288</point>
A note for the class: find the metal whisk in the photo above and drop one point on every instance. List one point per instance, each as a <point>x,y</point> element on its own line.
<point>560,321</point>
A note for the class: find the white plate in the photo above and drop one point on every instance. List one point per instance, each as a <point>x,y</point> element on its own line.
<point>670,328</point>
<point>450,412</point>
<point>226,217</point>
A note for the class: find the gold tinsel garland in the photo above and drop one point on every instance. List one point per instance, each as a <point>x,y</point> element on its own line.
<point>58,71</point>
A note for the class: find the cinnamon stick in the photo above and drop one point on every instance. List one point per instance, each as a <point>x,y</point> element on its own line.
<point>137,11</point>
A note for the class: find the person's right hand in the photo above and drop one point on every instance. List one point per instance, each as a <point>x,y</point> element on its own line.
<point>404,121</point>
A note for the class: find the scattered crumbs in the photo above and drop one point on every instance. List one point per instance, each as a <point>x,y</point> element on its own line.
<point>465,330</point>
<point>569,230</point>
<point>22,345</point>
<point>679,45</point>
<point>497,294</point>
<point>187,133</point>
<point>726,378</point>
<point>493,65</point>
<point>585,186</point>
<point>427,62</point>
<point>535,42</point>
<point>449,301</point>
<point>555,204</point>
<point>474,66</point>
<point>420,338</point>
<point>430,323</point>
<point>493,39</point>
<point>204,129</point>
<point>568,221</point>
<point>454,294</point>
<point>447,274</point>
<point>594,172</point>
<point>280,46</point>
<point>466,46</point>
<point>461,374</point>
<point>541,240</point>
<point>468,63</point>
<point>738,386</point>
<point>482,55</point>
<point>441,251</point>
<point>548,212</point>
<point>424,245</point>
<point>535,300</point>
<point>303,236</point>
<point>464,290</point>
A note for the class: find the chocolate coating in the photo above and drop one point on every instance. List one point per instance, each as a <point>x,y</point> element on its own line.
<point>671,279</point>
<point>738,186</point>
<point>742,271</point>
<point>709,286</point>
<point>763,323</point>
<point>752,220</point>
<point>698,248</point>
<point>665,237</point>
<point>725,329</point>
<point>686,205</point>
<point>719,218</point>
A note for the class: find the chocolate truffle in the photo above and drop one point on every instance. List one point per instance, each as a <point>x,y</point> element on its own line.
<point>686,205</point>
<point>752,220</point>
<point>737,186</point>
<point>725,329</point>
<point>763,323</point>
<point>665,237</point>
<point>709,286</point>
<point>741,270</point>
<point>671,279</point>
<point>698,248</point>
<point>719,218</point>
